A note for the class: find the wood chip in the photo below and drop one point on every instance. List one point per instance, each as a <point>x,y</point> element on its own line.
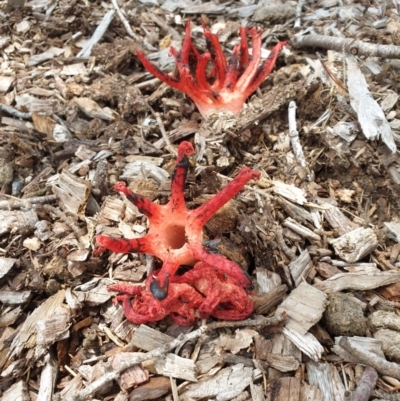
<point>355,244</point>
<point>225,385</point>
<point>304,307</point>
<point>358,281</point>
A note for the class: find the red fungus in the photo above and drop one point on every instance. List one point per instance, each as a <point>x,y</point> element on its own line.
<point>175,236</point>
<point>229,83</point>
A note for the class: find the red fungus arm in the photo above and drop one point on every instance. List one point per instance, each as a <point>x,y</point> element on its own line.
<point>177,200</point>
<point>265,68</point>
<point>162,76</point>
<point>202,214</point>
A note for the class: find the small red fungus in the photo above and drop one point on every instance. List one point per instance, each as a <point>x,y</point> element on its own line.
<point>214,286</point>
<point>229,83</point>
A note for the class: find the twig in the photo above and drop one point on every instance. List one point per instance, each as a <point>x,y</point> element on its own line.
<point>26,203</point>
<point>164,134</point>
<point>370,359</point>
<point>124,21</point>
<point>163,350</point>
<point>365,386</point>
<point>281,242</point>
<point>297,14</point>
<point>15,113</point>
<point>98,34</point>
<point>356,47</point>
<point>294,138</point>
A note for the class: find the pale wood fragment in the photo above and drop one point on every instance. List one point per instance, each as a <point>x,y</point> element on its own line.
<point>17,220</point>
<point>368,358</point>
<point>225,385</point>
<point>208,358</point>
<point>51,329</point>
<point>73,192</point>
<point>289,192</point>
<point>368,344</point>
<point>257,392</point>
<point>6,264</point>
<point>311,393</point>
<point>280,353</point>
<point>5,83</point>
<point>304,307</point>
<point>394,229</point>
<point>48,378</point>
<point>34,104</point>
<point>355,244</point>
<point>370,115</point>
<point>358,281</point>
<point>301,230</point>
<point>17,392</point>
<point>98,34</point>
<point>148,339</point>
<point>72,388</point>
<point>175,366</point>
<point>93,110</point>
<point>300,268</point>
<point>26,336</point>
<point>338,220</point>
<point>112,209</point>
<point>326,378</point>
<point>307,343</point>
<point>14,297</point>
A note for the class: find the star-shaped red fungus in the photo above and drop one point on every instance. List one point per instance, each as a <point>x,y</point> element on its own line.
<point>175,236</point>
<point>229,83</point>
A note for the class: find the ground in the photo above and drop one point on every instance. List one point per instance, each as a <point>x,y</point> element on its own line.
<point>318,233</point>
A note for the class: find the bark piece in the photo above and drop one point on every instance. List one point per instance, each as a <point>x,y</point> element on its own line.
<point>155,388</point>
<point>291,389</point>
<point>344,316</point>
<point>225,385</point>
<point>365,386</point>
<point>358,281</point>
<point>355,244</point>
<point>304,307</point>
<point>326,378</point>
<point>264,303</point>
<point>132,376</point>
